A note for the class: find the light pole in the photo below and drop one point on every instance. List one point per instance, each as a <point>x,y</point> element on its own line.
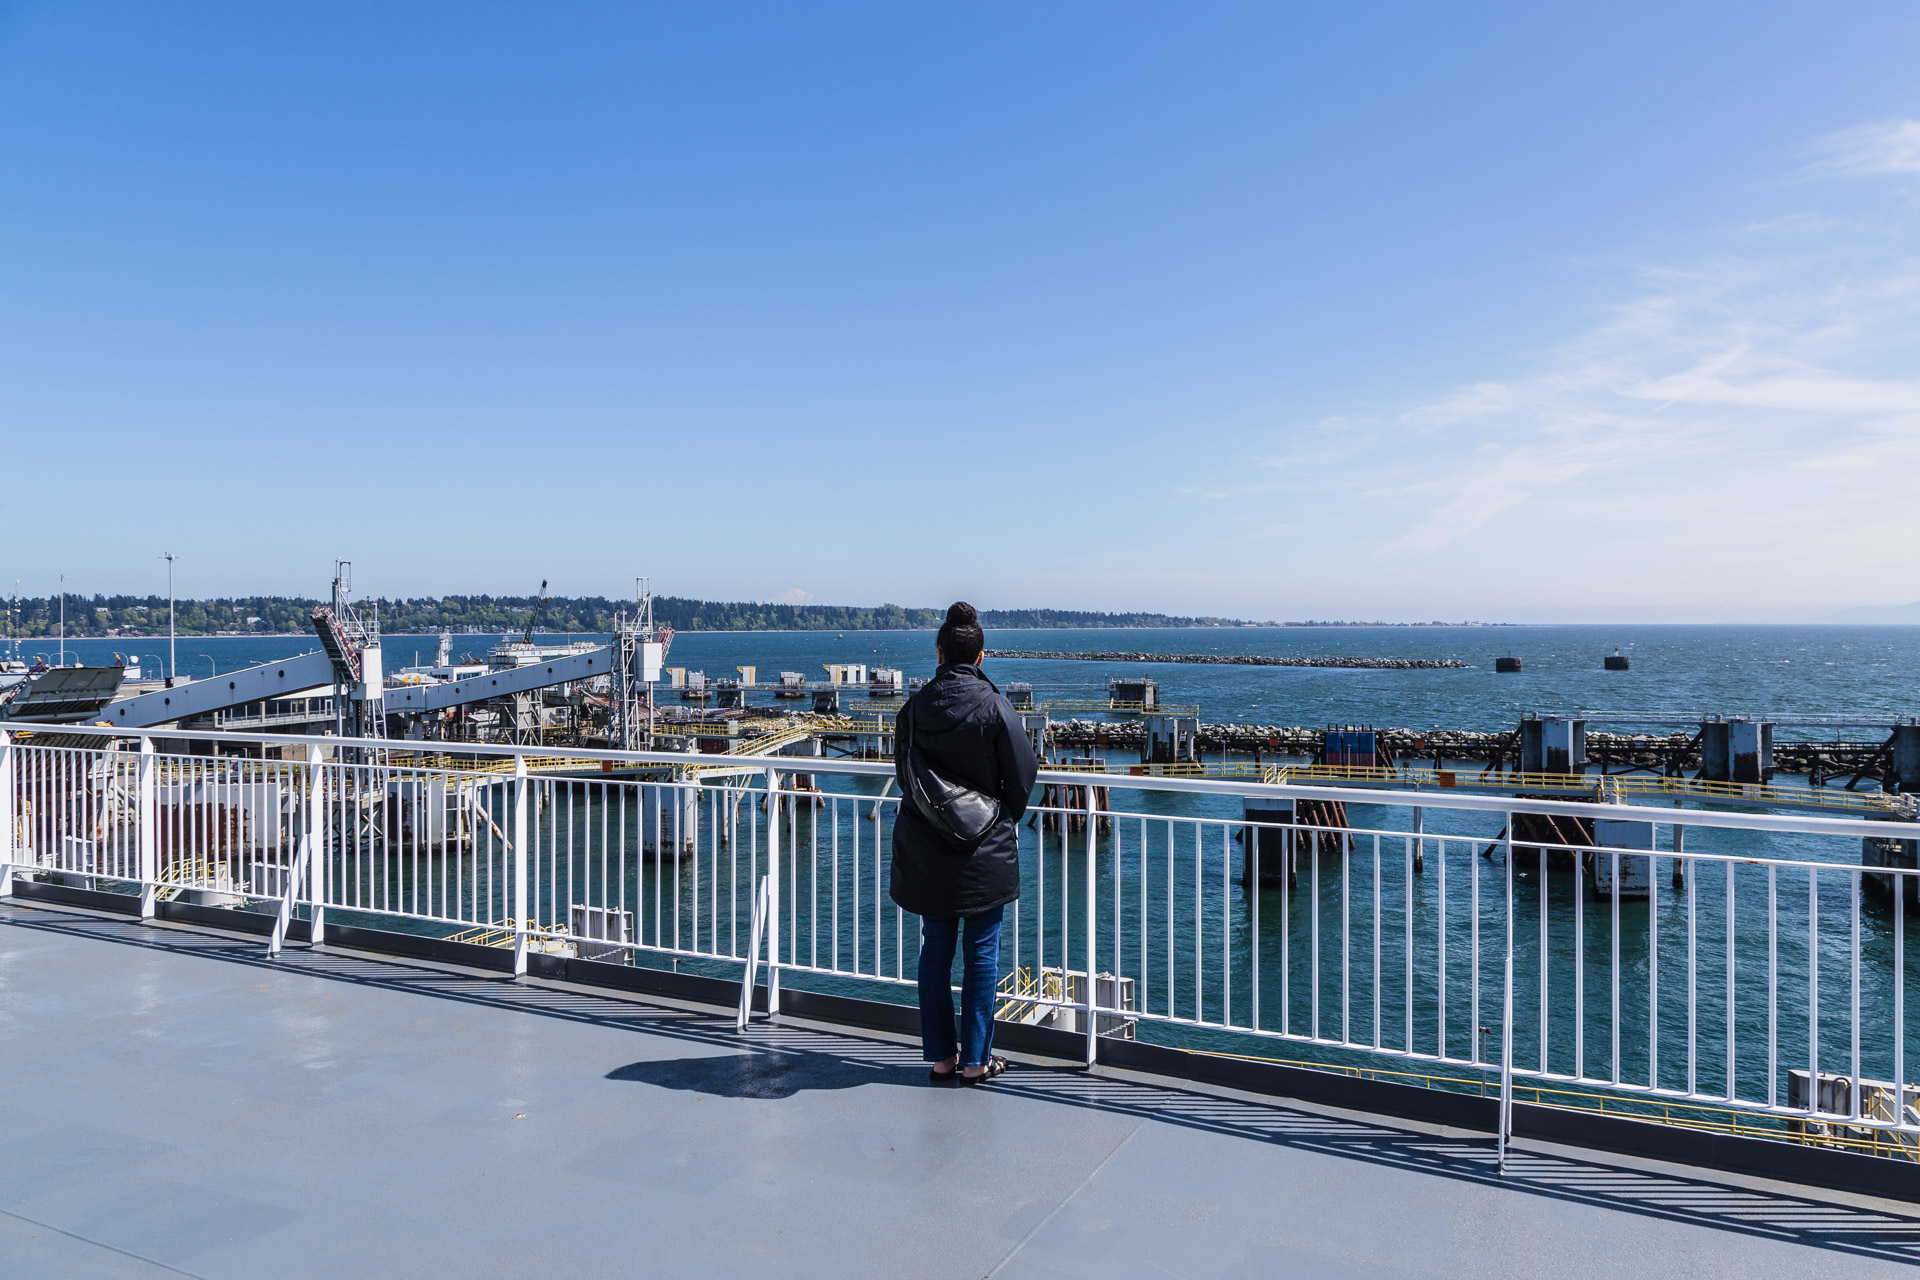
<point>63,620</point>
<point>173,665</point>
<point>645,588</point>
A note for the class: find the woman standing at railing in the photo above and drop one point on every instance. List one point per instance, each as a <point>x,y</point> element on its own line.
<point>965,770</point>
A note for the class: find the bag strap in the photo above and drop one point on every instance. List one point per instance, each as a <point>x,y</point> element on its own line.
<point>913,794</point>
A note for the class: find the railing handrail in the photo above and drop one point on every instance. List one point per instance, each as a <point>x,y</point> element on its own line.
<point>83,811</point>
<point>1221,787</point>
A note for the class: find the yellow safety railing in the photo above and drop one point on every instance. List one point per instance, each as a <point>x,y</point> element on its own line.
<point>697,729</point>
<point>535,764</point>
<point>1460,779</point>
<point>768,743</point>
<point>1254,770</point>
<point>1020,993</point>
<point>190,872</point>
<point>1767,793</point>
<point>765,744</point>
<point>439,760</point>
<point>194,873</point>
<point>1609,787</point>
<point>1622,785</point>
<point>1686,1115</point>
<point>501,933</point>
<point>851,724</point>
<point>1116,704</point>
<point>491,765</point>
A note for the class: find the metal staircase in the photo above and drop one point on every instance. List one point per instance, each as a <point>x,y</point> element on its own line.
<point>353,647</point>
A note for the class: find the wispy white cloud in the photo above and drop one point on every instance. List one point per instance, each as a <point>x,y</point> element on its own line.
<point>1883,147</point>
<point>1740,363</point>
<point>1756,408</point>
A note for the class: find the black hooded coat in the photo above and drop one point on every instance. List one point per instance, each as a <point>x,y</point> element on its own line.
<point>970,734</point>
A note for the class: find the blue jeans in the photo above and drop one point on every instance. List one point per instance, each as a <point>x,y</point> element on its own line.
<point>980,976</point>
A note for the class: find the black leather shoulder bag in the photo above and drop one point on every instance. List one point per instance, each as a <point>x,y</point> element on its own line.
<point>960,814</point>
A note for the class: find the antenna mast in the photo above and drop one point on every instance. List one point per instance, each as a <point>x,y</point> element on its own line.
<point>638,651</point>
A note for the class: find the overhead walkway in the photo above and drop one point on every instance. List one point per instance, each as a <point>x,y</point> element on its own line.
<point>336,1113</point>
<point>266,682</point>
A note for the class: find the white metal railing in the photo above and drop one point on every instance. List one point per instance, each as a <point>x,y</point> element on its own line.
<point>1760,972</point>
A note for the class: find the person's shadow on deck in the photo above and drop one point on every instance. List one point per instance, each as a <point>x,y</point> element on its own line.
<point>759,1075</point>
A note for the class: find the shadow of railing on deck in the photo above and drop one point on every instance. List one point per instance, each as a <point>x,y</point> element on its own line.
<point>777,1062</point>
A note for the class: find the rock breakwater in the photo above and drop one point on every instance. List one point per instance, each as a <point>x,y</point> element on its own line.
<point>1290,740</point>
<point>1677,753</point>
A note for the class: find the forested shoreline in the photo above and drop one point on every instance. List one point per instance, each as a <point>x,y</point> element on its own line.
<point>121,615</point>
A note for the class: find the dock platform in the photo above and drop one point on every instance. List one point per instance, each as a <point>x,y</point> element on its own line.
<point>177,1103</point>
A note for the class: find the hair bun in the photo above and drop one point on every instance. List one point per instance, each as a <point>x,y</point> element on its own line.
<point>962,614</point>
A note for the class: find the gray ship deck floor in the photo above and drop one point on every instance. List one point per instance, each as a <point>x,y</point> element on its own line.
<point>177,1104</point>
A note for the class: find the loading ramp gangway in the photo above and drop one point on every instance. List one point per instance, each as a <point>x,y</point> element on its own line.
<point>290,677</point>
<point>61,695</point>
<point>285,678</point>
<point>417,698</point>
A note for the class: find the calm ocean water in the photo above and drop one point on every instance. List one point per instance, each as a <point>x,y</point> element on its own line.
<point>1677,670</point>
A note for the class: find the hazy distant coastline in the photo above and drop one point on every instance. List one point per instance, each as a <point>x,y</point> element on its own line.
<point>1878,615</point>
<point>125,617</point>
<point>145,617</point>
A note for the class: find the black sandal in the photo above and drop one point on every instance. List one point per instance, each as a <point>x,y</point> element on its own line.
<point>995,1067</point>
<point>937,1076</point>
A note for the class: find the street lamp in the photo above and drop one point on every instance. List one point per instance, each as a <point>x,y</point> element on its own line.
<point>63,620</point>
<point>173,664</point>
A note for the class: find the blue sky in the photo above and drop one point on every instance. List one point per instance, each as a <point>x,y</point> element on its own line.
<point>1519,312</point>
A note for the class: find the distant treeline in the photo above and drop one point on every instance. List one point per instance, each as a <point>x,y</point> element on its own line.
<point>147,615</point>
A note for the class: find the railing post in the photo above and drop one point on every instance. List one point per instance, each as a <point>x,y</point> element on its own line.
<point>773,891</point>
<point>146,802</point>
<point>9,848</point>
<point>297,864</point>
<point>319,870</point>
<point>756,921</point>
<point>1679,847</point>
<point>1506,1016</point>
<point>1093,837</point>
<point>519,865</point>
